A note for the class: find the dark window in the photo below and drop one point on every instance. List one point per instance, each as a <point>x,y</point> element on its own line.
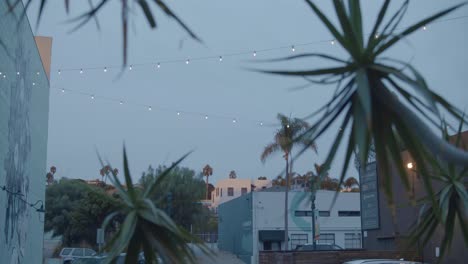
<point>230,191</point>
<point>352,240</point>
<point>349,213</point>
<point>303,213</point>
<point>217,192</point>
<point>77,252</point>
<point>324,213</point>
<point>327,238</point>
<point>298,239</point>
<point>221,192</point>
<point>243,191</point>
<point>267,245</point>
<point>66,251</point>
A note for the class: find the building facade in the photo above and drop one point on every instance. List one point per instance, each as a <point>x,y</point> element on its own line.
<point>255,222</point>
<point>24,111</point>
<point>228,189</point>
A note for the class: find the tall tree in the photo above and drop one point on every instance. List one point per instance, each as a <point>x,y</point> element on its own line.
<point>380,100</point>
<point>350,183</point>
<point>207,172</point>
<point>285,139</point>
<point>232,175</point>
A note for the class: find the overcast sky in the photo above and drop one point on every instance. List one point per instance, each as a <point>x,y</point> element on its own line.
<point>78,125</point>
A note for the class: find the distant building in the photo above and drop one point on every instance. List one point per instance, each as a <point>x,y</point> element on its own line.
<point>255,222</point>
<point>231,188</point>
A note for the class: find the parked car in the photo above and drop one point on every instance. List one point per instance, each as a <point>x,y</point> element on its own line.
<point>381,261</point>
<point>100,259</point>
<point>69,254</point>
<point>318,247</point>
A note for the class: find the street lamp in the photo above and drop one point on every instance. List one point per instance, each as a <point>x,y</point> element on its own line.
<point>409,165</point>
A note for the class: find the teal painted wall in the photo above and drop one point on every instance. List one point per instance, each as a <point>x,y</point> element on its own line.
<point>235,227</point>
<point>24,110</point>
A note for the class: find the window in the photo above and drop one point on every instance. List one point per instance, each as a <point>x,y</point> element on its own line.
<point>221,192</point>
<point>77,252</point>
<point>327,238</point>
<point>230,191</point>
<point>324,213</point>
<point>349,213</point>
<point>66,251</point>
<point>243,191</point>
<point>217,192</point>
<point>352,240</point>
<point>89,252</point>
<point>303,213</point>
<point>298,239</point>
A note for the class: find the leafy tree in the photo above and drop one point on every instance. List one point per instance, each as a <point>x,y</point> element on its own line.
<point>74,210</point>
<point>285,140</point>
<point>146,227</point>
<point>179,193</point>
<point>350,183</point>
<point>380,100</point>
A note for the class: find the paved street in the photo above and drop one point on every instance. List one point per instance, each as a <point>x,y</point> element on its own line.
<point>219,257</point>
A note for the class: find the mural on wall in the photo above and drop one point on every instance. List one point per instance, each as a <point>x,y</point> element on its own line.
<point>17,160</point>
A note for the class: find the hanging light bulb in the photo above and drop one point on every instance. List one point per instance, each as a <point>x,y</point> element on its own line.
<point>37,73</point>
<point>187,61</point>
<point>0,73</point>
<point>220,58</point>
<point>149,108</point>
<point>81,71</point>
<point>17,73</point>
<point>130,67</point>
<point>206,117</point>
<point>4,76</point>
<point>287,125</point>
<point>159,65</point>
<point>293,49</point>
<point>105,69</point>
<point>376,36</point>
<point>424,28</point>
<point>63,90</point>
<point>332,42</point>
<point>234,120</point>
<point>255,54</point>
<point>121,102</point>
<point>261,123</point>
<point>178,113</point>
<point>59,72</point>
<point>92,97</point>
<point>33,83</point>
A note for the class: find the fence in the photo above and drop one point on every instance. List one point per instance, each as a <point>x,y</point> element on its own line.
<point>331,257</point>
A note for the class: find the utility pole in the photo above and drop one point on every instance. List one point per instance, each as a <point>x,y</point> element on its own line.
<point>313,190</point>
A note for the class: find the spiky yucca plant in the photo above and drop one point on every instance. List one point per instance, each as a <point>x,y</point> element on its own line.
<point>379,100</point>
<point>145,227</point>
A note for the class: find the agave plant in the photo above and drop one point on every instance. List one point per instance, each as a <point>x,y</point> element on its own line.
<point>145,227</point>
<point>452,198</point>
<point>378,100</point>
<point>126,10</point>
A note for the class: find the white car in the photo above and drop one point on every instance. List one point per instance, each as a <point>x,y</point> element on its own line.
<point>382,261</point>
<point>69,254</point>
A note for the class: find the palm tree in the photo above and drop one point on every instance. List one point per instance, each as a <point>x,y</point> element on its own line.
<point>380,100</point>
<point>232,175</point>
<point>285,139</point>
<point>350,183</point>
<point>207,171</point>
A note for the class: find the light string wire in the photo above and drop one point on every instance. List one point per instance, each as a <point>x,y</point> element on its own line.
<point>19,196</point>
<point>220,57</point>
<point>179,112</point>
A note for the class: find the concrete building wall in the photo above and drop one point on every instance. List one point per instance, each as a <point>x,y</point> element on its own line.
<point>24,109</point>
<point>235,227</point>
<point>221,195</point>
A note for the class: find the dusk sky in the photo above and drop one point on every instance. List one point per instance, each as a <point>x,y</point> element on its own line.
<point>78,125</point>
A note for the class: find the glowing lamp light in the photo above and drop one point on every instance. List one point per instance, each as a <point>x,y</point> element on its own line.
<point>409,165</point>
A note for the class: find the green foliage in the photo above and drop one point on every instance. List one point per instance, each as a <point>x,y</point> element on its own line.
<point>75,210</point>
<point>145,226</point>
<point>179,194</point>
<point>379,100</point>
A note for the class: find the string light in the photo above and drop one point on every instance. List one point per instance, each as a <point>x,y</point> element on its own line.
<point>293,49</point>
<point>105,69</point>
<point>220,58</point>
<point>178,113</point>
<point>234,121</point>
<point>33,83</point>
<point>37,73</point>
<point>81,71</point>
<point>206,117</point>
<point>287,125</point>
<point>59,72</point>
<point>63,90</point>
<point>187,61</point>
<point>332,42</point>
<point>159,65</point>
<point>149,108</point>
<point>261,123</point>
<point>424,28</point>
<point>130,67</point>
<point>0,73</point>
<point>255,54</point>
<point>121,102</point>
<point>376,36</point>
<point>17,73</point>
<point>4,76</point>
<point>92,97</point>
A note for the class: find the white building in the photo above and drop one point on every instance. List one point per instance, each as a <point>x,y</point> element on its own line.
<point>228,189</point>
<point>255,222</point>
